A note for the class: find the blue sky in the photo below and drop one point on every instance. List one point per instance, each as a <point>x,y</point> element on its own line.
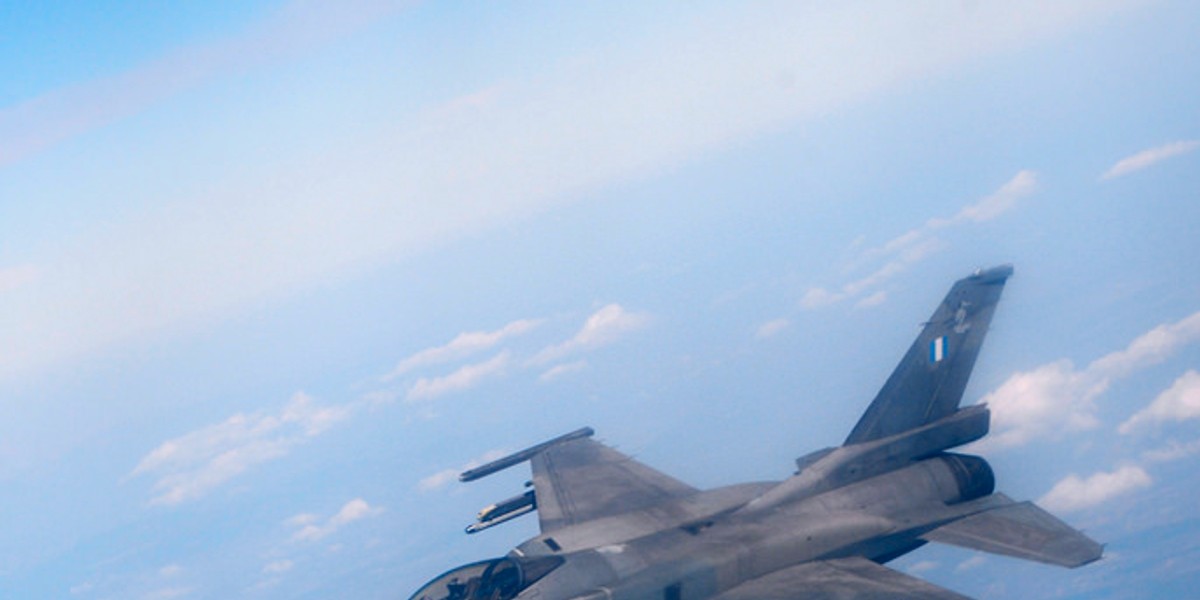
<point>271,272</point>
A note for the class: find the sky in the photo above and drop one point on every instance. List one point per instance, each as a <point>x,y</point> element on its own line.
<point>273,273</point>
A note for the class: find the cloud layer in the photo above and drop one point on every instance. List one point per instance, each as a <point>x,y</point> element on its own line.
<point>513,147</point>
<point>194,464</point>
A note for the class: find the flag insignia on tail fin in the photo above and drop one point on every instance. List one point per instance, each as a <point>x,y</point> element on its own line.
<point>937,349</point>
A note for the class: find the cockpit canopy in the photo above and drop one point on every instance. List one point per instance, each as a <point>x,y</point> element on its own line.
<point>496,579</point>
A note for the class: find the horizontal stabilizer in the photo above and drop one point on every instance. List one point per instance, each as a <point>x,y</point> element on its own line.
<point>1022,530</point>
<point>838,579</point>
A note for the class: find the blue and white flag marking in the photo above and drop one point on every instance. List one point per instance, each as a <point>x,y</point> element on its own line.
<point>937,349</point>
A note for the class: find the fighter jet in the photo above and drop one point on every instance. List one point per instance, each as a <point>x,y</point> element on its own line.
<point>613,528</point>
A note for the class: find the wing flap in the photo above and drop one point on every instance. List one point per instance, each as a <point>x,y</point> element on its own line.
<point>839,579</point>
<point>1021,530</point>
<point>581,480</point>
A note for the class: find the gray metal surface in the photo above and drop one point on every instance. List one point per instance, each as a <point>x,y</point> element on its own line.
<point>615,529</point>
<point>838,579</point>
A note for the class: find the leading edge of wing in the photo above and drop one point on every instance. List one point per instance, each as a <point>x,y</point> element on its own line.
<point>838,579</point>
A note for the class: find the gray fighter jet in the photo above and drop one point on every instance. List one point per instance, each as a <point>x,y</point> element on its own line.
<point>615,529</point>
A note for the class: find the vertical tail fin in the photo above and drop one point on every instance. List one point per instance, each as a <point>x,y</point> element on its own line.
<point>928,383</point>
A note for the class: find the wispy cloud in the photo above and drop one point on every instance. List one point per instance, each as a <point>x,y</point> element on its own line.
<point>466,377</point>
<point>194,464</point>
<point>277,567</point>
<point>1173,451</point>
<point>560,371</point>
<point>463,345</point>
<point>771,328</point>
<point>924,566</point>
<point>444,477</point>
<point>602,328</point>
<point>312,527</point>
<point>1057,398</point>
<point>873,300</point>
<point>1180,402</point>
<point>169,593</point>
<point>168,571</point>
<point>913,246</point>
<point>1148,158</point>
<point>971,563</point>
<point>1075,493</point>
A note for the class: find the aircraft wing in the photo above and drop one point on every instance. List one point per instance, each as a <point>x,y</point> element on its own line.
<point>839,579</point>
<point>1022,530</point>
<point>577,479</point>
<point>582,479</point>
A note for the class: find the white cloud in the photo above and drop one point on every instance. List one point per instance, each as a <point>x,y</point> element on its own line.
<point>627,107</point>
<point>559,371</point>
<point>444,477</point>
<point>999,202</point>
<point>1074,493</point>
<point>463,345</point>
<point>922,567</point>
<point>819,297</point>
<point>601,328</point>
<point>1152,347</point>
<point>1057,398</point>
<point>1173,451</point>
<point>194,464</point>
<point>464,378</point>
<point>1180,402</point>
<point>971,563</point>
<point>873,300</point>
<point>438,480</point>
<point>1149,157</point>
<point>772,328</point>
<point>169,593</point>
<point>277,567</point>
<point>170,571</point>
<point>311,528</point>
<point>1047,401</point>
<point>902,252</point>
